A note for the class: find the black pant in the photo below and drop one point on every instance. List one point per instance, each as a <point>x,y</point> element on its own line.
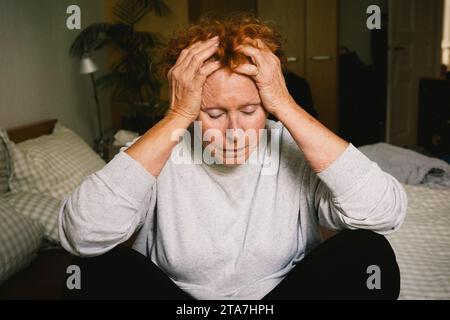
<point>340,268</point>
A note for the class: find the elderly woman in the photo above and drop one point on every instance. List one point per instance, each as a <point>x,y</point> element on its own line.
<point>232,228</point>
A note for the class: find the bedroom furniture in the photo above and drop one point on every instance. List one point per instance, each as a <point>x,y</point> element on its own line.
<point>44,278</point>
<point>422,245</point>
<point>31,131</point>
<point>434,116</point>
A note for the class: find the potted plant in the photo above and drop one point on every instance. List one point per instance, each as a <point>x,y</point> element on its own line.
<point>132,77</point>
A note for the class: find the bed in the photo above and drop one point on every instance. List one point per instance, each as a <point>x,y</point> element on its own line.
<point>422,245</point>
<point>42,276</point>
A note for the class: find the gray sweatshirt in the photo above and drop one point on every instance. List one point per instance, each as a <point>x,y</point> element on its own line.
<point>229,233</point>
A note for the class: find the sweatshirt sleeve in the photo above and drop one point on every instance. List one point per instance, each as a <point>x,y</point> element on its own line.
<point>354,193</point>
<point>107,208</point>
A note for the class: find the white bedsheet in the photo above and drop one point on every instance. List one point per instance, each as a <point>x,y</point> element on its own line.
<point>422,245</point>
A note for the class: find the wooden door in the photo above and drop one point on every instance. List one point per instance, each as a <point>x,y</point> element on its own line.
<point>322,58</point>
<point>414,53</point>
<point>289,18</point>
<point>311,30</point>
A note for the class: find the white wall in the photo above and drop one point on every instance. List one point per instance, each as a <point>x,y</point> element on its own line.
<point>353,32</point>
<point>38,79</point>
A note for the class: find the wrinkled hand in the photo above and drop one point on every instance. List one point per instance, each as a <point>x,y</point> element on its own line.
<point>267,73</point>
<point>188,75</point>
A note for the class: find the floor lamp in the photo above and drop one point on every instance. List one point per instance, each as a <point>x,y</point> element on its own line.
<point>87,66</point>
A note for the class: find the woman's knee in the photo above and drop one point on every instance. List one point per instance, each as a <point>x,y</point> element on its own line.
<point>378,258</point>
<point>123,273</point>
<point>367,241</point>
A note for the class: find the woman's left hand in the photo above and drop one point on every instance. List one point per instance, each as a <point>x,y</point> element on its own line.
<point>267,73</point>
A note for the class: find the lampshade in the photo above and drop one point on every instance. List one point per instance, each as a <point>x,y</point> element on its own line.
<point>87,66</point>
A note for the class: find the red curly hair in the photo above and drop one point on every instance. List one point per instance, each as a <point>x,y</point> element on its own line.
<point>232,31</point>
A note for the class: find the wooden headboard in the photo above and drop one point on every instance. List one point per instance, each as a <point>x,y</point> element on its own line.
<point>31,131</point>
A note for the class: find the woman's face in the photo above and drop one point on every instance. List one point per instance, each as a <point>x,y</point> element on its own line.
<point>232,108</point>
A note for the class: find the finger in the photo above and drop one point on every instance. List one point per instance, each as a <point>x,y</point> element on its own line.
<point>257,43</point>
<point>184,53</point>
<point>201,57</point>
<point>198,45</point>
<point>209,68</point>
<point>260,44</point>
<point>247,69</point>
<point>254,53</point>
<point>205,45</point>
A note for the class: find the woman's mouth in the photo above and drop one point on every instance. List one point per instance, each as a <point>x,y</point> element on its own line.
<point>235,149</point>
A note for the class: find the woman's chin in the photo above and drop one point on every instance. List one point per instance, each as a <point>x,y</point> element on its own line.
<point>231,163</point>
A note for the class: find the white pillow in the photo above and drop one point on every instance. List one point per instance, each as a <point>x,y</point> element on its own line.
<point>52,164</point>
<point>20,238</point>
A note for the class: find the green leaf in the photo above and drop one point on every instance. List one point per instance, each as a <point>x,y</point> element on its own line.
<point>89,38</point>
<point>131,11</point>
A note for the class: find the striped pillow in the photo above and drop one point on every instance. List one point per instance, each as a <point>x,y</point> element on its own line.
<point>52,164</point>
<point>20,238</point>
<point>4,163</point>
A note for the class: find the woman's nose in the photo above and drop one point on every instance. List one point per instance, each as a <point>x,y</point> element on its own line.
<point>235,134</point>
<point>233,122</point>
<point>234,128</point>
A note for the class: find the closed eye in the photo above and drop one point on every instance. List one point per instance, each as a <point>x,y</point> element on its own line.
<point>250,109</point>
<point>215,116</point>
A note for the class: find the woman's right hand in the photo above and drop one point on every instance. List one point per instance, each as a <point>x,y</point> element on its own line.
<point>188,75</point>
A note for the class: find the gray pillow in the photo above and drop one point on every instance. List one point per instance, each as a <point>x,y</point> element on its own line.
<point>39,207</point>
<point>20,238</point>
<point>4,163</point>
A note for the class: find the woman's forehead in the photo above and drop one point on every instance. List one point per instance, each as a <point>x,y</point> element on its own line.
<point>229,88</point>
